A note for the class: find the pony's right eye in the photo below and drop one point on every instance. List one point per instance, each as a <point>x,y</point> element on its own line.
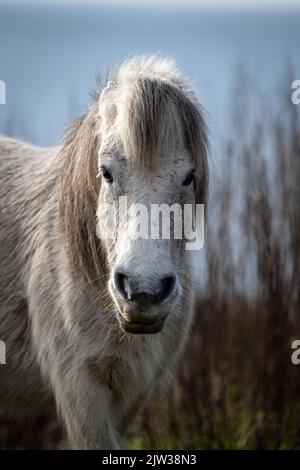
<point>106,175</point>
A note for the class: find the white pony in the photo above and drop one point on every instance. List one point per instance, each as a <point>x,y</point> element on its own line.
<point>91,324</point>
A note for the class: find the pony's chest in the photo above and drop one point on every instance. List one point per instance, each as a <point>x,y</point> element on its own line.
<point>125,377</point>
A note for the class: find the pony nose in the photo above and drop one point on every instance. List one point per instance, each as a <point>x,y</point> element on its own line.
<point>132,290</point>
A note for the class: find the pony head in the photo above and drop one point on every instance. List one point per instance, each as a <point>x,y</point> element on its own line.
<point>129,168</point>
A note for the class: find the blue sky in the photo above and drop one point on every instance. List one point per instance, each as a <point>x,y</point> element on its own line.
<point>240,4</point>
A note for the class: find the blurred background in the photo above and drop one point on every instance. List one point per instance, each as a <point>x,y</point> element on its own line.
<point>236,387</point>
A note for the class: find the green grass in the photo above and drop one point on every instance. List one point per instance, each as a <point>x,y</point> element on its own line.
<point>234,425</point>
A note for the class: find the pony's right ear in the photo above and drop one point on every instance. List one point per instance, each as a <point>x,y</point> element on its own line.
<point>107,105</point>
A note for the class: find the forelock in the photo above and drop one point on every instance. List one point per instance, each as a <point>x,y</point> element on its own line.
<point>157,110</point>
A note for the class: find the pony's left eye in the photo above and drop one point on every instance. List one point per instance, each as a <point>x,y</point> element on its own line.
<point>106,175</point>
<point>189,179</point>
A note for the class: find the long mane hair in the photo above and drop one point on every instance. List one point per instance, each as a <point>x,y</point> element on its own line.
<point>159,104</point>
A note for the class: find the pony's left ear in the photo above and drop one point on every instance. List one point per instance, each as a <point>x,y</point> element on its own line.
<point>107,105</point>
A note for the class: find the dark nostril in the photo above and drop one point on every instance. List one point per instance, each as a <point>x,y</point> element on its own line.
<point>168,284</point>
<point>131,291</point>
<point>122,284</point>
